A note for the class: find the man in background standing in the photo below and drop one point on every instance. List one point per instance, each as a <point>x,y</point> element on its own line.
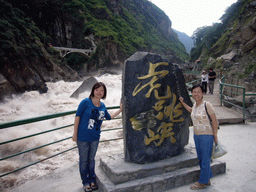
<point>211,78</point>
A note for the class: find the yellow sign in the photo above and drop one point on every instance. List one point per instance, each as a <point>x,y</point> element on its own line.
<point>165,109</point>
<point>151,73</point>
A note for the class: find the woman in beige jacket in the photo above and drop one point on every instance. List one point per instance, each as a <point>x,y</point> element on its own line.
<point>205,133</point>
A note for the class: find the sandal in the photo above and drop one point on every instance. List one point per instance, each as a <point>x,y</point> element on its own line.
<point>87,188</point>
<point>209,183</point>
<point>197,186</point>
<point>94,186</point>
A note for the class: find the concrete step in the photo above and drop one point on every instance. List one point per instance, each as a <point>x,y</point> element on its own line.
<point>228,116</point>
<point>119,171</point>
<point>115,175</point>
<point>160,182</point>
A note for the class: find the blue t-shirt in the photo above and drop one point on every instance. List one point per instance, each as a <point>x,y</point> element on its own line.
<point>91,118</point>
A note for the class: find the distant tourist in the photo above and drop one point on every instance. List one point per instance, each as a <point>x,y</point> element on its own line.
<point>89,116</point>
<point>204,81</point>
<point>204,134</point>
<point>212,77</point>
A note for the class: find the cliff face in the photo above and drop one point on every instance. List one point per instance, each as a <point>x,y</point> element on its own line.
<point>26,60</point>
<point>113,29</point>
<point>185,39</point>
<point>138,26</point>
<point>233,51</point>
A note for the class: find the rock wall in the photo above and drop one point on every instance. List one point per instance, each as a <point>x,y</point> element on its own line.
<point>26,59</point>
<point>32,74</point>
<point>250,86</point>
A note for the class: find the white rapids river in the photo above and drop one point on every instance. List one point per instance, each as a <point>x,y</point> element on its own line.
<point>56,100</point>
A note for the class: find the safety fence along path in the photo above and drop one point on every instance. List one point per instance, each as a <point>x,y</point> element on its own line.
<point>224,115</point>
<point>30,145</point>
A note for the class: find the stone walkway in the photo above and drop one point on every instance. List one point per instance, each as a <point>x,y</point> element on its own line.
<point>240,141</point>
<point>224,114</point>
<point>240,173</point>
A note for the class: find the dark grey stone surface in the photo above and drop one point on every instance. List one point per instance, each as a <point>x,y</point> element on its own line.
<point>119,171</point>
<point>85,86</point>
<point>116,175</point>
<point>154,121</point>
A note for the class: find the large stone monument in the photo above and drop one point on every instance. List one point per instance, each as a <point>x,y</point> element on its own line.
<point>155,124</point>
<point>156,130</point>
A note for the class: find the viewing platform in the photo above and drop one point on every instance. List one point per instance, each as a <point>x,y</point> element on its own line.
<point>224,115</point>
<point>68,178</point>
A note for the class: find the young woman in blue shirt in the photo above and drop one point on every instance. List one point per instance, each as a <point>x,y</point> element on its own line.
<point>89,116</point>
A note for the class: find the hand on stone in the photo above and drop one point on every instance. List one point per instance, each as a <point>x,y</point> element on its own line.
<point>121,106</point>
<point>181,99</point>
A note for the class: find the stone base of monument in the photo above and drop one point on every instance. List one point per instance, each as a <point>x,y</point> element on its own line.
<point>116,175</point>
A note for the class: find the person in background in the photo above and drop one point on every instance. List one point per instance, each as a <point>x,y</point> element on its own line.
<point>89,116</point>
<point>205,134</point>
<point>204,81</point>
<point>211,78</point>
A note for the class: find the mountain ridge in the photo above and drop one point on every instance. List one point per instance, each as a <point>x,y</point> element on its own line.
<point>118,28</point>
<point>185,39</point>
<point>229,46</point>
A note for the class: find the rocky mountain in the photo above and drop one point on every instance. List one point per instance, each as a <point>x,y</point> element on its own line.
<point>230,46</point>
<point>114,29</point>
<point>185,40</point>
<point>26,60</point>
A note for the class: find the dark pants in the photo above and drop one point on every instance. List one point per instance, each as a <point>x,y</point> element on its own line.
<point>204,84</point>
<point>211,86</point>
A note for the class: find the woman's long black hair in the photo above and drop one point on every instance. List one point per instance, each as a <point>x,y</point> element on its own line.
<point>197,85</point>
<point>96,86</point>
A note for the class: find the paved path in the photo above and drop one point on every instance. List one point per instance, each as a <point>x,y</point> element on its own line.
<point>224,114</point>
<point>240,173</point>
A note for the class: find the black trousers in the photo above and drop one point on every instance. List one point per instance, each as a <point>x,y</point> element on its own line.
<point>204,84</point>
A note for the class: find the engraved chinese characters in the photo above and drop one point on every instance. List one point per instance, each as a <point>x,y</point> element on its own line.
<point>155,124</point>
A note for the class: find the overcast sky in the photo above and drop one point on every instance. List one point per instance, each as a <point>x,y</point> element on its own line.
<point>188,15</point>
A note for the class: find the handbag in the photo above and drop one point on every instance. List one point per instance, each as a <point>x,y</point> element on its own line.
<point>218,150</point>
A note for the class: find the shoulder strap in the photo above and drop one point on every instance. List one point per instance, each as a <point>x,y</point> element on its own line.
<point>207,112</point>
<point>209,115</point>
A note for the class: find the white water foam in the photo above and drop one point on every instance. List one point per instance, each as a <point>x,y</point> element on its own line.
<point>56,100</point>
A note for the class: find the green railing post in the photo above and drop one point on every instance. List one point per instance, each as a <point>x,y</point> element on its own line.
<point>221,96</point>
<point>243,103</point>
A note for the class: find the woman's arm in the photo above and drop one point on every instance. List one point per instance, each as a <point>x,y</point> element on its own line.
<point>188,108</point>
<point>214,127</point>
<point>113,115</point>
<point>76,123</point>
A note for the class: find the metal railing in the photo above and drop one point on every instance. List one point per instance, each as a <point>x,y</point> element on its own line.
<point>39,119</point>
<point>233,95</point>
<point>197,73</point>
<point>192,83</point>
